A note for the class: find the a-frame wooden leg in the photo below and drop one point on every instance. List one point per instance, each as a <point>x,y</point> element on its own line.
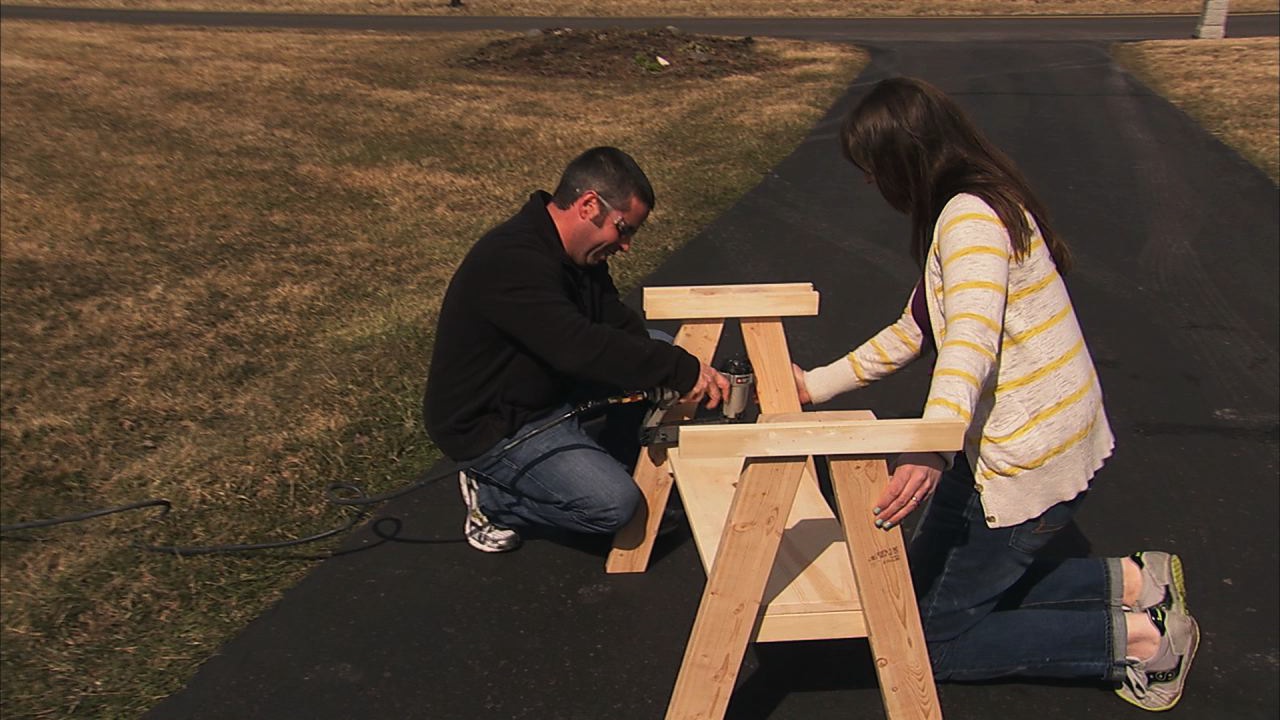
<point>633,544</point>
<point>766,345</point>
<point>888,600</point>
<point>730,603</point>
<point>730,607</point>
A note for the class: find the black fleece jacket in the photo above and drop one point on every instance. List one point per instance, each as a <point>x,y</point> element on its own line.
<point>522,328</point>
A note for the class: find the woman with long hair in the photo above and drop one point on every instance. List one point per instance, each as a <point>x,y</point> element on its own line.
<point>1012,364</point>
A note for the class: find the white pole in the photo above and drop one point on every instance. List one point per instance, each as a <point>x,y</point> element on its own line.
<point>1213,20</point>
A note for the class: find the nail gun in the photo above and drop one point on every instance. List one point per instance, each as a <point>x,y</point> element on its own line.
<point>661,430</point>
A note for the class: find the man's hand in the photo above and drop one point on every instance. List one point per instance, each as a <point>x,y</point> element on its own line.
<point>914,480</point>
<point>801,389</point>
<point>711,385</point>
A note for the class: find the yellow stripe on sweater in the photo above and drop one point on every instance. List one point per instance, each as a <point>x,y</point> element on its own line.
<point>965,217</point>
<point>857,369</point>
<point>962,374</point>
<point>965,414</point>
<point>972,346</point>
<point>1057,318</point>
<point>1044,370</point>
<point>1043,459</point>
<point>1045,414</point>
<point>1035,287</point>
<point>884,356</point>
<point>905,338</point>
<point>976,250</point>
<point>974,285</point>
<point>991,324</point>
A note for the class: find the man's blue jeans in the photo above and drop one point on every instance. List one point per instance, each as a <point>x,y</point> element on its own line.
<point>560,478</point>
<point>564,477</point>
<point>991,607</point>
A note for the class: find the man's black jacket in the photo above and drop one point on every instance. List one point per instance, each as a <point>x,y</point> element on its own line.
<point>522,327</point>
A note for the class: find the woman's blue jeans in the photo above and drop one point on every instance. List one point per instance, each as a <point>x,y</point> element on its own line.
<point>991,607</point>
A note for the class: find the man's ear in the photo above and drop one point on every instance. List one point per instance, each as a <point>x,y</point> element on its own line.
<point>588,207</point>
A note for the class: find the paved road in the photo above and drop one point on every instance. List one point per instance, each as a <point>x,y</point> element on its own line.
<point>1114,28</point>
<point>1176,238</point>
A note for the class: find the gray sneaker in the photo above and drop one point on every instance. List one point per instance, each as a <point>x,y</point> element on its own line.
<point>1156,684</point>
<point>482,533</point>
<point>1162,581</point>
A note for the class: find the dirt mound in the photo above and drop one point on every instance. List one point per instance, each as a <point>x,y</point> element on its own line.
<point>614,52</point>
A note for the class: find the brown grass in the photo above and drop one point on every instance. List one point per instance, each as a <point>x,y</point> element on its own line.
<point>1231,86</point>
<point>677,8</point>
<point>222,253</point>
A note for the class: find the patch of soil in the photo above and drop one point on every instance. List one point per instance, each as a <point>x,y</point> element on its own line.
<point>615,52</point>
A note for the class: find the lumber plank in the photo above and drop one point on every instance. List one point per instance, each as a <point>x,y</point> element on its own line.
<point>730,602</point>
<point>834,625</point>
<point>844,437</point>
<point>706,488</point>
<point>879,562</point>
<point>633,544</point>
<point>700,338</point>
<point>730,301</point>
<point>771,362</point>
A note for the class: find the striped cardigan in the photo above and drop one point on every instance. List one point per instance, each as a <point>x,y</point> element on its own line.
<point>1012,364</point>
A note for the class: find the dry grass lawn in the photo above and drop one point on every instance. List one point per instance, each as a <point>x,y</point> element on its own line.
<point>676,8</point>
<point>1231,86</point>
<point>222,256</point>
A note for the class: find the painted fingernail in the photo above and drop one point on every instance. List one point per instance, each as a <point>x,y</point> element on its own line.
<point>879,523</point>
<point>888,525</point>
<point>875,511</point>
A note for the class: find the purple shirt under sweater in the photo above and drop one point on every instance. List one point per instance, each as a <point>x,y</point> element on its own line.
<point>920,313</point>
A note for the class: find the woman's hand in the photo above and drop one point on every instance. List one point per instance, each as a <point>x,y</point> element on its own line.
<point>801,389</point>
<point>914,480</point>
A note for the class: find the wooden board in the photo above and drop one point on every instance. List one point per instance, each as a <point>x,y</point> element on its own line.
<point>730,301</point>
<point>766,343</point>
<point>821,437</point>
<point>879,562</point>
<point>730,606</point>
<point>633,544</point>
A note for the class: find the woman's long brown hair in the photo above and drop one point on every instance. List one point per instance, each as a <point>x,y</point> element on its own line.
<point>922,150</point>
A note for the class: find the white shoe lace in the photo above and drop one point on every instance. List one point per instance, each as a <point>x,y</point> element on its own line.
<point>1136,678</point>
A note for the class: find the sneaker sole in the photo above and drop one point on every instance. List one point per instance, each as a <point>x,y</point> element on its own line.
<point>1179,585</point>
<point>490,549</point>
<point>1182,674</point>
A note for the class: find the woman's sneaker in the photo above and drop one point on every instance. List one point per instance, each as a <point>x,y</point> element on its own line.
<point>1162,581</point>
<point>1156,684</point>
<point>482,533</point>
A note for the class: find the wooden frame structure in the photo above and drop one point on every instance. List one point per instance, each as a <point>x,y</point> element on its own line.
<point>780,564</point>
